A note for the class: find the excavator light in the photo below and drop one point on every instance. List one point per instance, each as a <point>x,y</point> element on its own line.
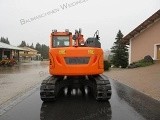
<point>66,30</point>
<point>55,30</point>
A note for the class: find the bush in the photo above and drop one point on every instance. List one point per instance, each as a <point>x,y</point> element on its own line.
<point>7,62</point>
<point>107,65</point>
<point>143,63</point>
<point>140,63</point>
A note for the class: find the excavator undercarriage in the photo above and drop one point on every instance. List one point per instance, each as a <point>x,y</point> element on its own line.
<point>99,85</point>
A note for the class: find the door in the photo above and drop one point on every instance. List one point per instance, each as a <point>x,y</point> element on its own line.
<point>7,53</point>
<point>158,52</point>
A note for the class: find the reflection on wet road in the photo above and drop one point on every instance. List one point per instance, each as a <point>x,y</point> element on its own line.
<point>125,104</point>
<point>23,67</point>
<point>76,107</point>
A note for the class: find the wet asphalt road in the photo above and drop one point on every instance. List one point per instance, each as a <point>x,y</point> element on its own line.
<point>125,104</point>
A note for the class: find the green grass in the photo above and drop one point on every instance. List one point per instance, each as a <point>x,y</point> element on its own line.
<point>144,64</point>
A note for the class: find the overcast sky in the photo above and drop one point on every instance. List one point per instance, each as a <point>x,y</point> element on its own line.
<point>33,20</point>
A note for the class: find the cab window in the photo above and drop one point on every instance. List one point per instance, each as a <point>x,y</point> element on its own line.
<point>60,41</point>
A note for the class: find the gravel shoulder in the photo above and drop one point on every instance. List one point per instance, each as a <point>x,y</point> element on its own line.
<point>144,79</point>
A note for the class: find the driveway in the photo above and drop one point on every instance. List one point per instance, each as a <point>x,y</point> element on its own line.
<point>144,79</point>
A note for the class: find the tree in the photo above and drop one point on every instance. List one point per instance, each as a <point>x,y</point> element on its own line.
<point>120,52</point>
<point>38,48</point>
<point>27,45</point>
<point>7,41</point>
<point>43,50</point>
<point>31,46</point>
<point>4,40</point>
<point>23,43</point>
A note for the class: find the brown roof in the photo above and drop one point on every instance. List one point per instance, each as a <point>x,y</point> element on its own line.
<point>152,19</point>
<point>29,49</point>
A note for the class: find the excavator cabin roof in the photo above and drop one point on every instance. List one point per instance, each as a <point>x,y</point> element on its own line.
<point>54,32</point>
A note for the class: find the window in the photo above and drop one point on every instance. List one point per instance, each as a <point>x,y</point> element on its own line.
<point>25,52</point>
<point>60,41</point>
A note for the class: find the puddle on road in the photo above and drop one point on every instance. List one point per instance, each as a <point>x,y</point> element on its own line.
<point>23,67</point>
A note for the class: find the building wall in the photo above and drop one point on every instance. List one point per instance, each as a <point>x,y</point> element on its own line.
<point>30,52</point>
<point>26,56</point>
<point>144,43</point>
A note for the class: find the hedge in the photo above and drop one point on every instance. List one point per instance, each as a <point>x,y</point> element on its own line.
<point>107,65</point>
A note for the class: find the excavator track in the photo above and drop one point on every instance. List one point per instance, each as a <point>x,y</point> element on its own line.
<point>48,89</point>
<point>99,85</point>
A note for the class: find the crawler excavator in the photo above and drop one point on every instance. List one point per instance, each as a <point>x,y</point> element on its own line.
<point>75,62</point>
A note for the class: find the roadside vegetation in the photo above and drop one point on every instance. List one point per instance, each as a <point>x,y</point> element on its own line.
<point>147,61</point>
<point>120,52</point>
<point>7,62</point>
<point>107,65</point>
<point>142,63</point>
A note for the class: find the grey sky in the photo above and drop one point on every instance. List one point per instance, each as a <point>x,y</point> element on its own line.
<point>108,16</point>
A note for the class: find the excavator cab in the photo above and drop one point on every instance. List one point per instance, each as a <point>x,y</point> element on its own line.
<point>60,41</point>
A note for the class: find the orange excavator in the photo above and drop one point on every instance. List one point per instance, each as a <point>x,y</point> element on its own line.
<point>75,63</point>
